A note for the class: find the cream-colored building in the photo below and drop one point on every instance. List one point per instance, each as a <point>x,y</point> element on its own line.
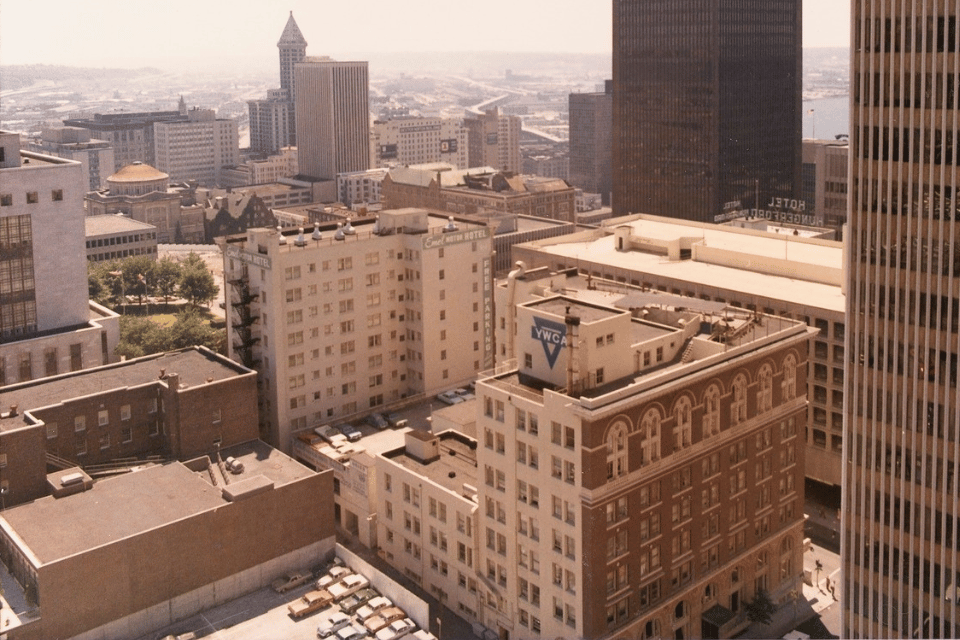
<point>824,176</point>
<point>494,141</point>
<point>362,316</point>
<point>418,140</point>
<point>360,188</point>
<point>780,273</point>
<point>47,324</point>
<point>428,513</point>
<point>197,147</point>
<point>256,172</point>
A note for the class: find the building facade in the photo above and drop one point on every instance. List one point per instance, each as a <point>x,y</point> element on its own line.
<point>478,191</point>
<point>825,181</point>
<point>413,140</point>
<point>95,156</point>
<point>271,122</point>
<point>333,125</point>
<point>494,140</point>
<point>900,512</point>
<point>359,188</point>
<point>706,106</point>
<point>640,470</point>
<point>114,237</point>
<point>197,147</point>
<point>143,193</point>
<point>130,134</point>
<point>778,273</point>
<point>591,128</point>
<point>348,319</point>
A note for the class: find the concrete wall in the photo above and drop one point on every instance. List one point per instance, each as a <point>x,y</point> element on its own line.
<point>416,608</point>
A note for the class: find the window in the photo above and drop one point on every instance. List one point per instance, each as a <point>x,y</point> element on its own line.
<point>738,404</point>
<point>765,390</point>
<point>32,197</point>
<point>617,451</point>
<point>711,411</point>
<point>789,384</point>
<point>683,429</point>
<point>650,432</point>
<point>80,423</point>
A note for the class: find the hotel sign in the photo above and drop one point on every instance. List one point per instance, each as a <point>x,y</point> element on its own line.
<point>255,259</point>
<point>784,210</point>
<point>438,240</point>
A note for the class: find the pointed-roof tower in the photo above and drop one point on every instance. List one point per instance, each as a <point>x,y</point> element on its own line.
<point>293,49</point>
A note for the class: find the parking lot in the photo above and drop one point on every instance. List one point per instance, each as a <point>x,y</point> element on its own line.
<point>263,614</point>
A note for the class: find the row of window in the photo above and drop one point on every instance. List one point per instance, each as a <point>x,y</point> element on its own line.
<point>30,197</point>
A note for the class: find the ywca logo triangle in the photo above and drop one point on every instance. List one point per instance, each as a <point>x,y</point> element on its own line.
<point>552,335</point>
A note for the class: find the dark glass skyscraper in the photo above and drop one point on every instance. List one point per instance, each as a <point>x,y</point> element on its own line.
<point>706,105</point>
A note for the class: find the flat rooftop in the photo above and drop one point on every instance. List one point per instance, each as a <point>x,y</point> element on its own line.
<point>123,506</point>
<point>565,306</point>
<point>599,247</point>
<point>114,223</point>
<point>193,365</point>
<point>456,465</point>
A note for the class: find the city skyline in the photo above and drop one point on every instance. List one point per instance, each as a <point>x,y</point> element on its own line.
<point>220,35</point>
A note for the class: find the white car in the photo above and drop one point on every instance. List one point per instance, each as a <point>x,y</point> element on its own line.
<point>449,397</point>
<point>332,624</point>
<point>333,576</point>
<point>372,607</point>
<point>396,629</point>
<point>351,632</point>
<point>347,585</point>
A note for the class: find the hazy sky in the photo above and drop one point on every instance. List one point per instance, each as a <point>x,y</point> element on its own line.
<point>131,33</point>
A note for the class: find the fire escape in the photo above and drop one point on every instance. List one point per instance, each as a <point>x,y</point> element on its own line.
<point>245,337</point>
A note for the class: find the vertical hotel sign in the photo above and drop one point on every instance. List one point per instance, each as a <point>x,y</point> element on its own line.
<point>450,238</point>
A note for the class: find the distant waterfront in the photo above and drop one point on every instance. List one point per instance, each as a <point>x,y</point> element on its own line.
<point>832,117</point>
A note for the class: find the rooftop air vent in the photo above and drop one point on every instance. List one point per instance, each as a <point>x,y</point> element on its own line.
<point>300,241</point>
<point>339,235</point>
<point>316,231</point>
<point>349,230</point>
<point>451,226</point>
<point>283,239</point>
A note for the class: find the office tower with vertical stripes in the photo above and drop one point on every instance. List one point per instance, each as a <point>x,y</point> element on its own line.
<point>901,513</point>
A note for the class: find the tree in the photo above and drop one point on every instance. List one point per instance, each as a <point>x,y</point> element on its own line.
<point>197,285</point>
<point>190,329</point>
<point>139,337</point>
<point>166,277</point>
<point>761,608</point>
<point>137,276</point>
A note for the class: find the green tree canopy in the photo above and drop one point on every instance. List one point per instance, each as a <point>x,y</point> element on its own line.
<point>197,285</point>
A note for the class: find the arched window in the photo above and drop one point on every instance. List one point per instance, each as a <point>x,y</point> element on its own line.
<point>682,412</point>
<point>617,451</point>
<point>651,630</point>
<point>711,411</point>
<point>789,383</point>
<point>786,545</point>
<point>650,432</point>
<point>680,610</point>
<point>738,404</point>
<point>710,593</point>
<point>765,389</point>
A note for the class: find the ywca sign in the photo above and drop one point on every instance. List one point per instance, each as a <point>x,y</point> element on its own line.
<point>552,335</point>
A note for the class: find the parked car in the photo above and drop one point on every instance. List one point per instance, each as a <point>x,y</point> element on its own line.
<point>332,624</point>
<point>348,585</point>
<point>382,619</point>
<point>396,629</point>
<point>465,394</point>
<point>310,602</point>
<point>333,576</point>
<point>354,601</point>
<point>449,397</point>
<point>374,606</point>
<point>351,632</point>
<point>291,580</point>
<point>422,634</point>
<point>396,421</point>
<point>377,421</point>
<point>353,434</point>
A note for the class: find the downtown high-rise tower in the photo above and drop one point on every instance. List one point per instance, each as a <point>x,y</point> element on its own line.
<point>706,105</point>
<point>901,513</point>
